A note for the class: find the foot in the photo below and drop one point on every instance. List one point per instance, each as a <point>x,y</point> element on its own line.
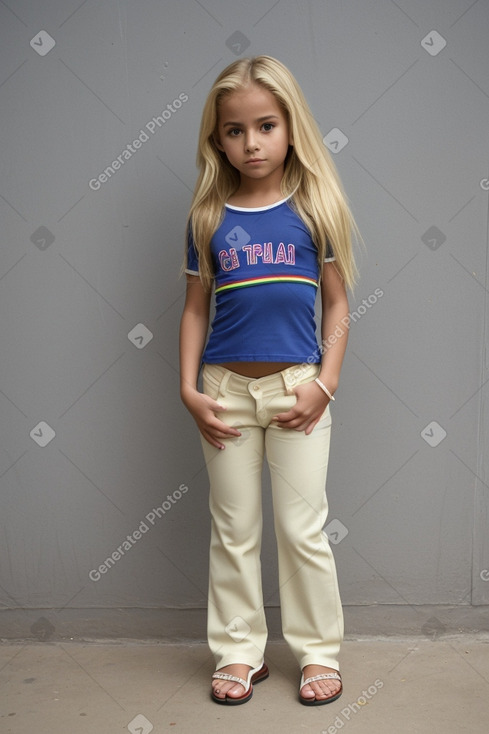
<point>319,689</point>
<point>223,688</point>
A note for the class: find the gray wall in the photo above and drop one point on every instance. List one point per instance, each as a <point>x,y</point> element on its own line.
<point>93,435</point>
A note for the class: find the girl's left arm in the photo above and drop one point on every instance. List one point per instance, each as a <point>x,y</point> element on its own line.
<point>334,326</point>
<point>311,399</point>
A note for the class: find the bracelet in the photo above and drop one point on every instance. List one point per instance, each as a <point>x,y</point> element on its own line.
<point>324,388</point>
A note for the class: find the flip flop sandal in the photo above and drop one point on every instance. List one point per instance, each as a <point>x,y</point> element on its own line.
<point>255,675</point>
<point>319,701</point>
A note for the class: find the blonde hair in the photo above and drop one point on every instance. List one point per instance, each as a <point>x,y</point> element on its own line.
<point>310,177</point>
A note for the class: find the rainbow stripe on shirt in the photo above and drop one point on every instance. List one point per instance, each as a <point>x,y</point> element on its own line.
<point>265,279</point>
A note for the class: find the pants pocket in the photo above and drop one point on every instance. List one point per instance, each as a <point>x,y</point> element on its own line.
<point>211,381</point>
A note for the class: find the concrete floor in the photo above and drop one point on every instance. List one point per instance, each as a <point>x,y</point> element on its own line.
<point>391,685</point>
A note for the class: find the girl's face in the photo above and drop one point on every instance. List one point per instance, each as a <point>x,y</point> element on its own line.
<point>253,132</point>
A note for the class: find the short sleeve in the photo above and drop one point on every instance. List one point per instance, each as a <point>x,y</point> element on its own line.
<point>192,258</point>
<point>329,255</point>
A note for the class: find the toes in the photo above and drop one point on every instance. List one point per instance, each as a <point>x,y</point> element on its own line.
<point>220,689</point>
<point>218,692</point>
<point>320,689</point>
<point>307,692</point>
<point>320,692</point>
<point>330,690</point>
<point>236,691</point>
<point>228,688</point>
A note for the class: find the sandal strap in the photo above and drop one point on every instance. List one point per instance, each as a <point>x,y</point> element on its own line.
<point>323,676</point>
<point>228,676</point>
<point>245,683</point>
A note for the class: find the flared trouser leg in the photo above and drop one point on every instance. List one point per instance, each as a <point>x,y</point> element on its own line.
<point>312,617</point>
<point>236,624</point>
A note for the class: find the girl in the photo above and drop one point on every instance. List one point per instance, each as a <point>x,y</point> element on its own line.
<point>268,226</point>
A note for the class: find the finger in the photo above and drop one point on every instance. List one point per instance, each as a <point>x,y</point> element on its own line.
<point>291,415</point>
<point>213,441</point>
<point>215,430</point>
<point>215,406</point>
<point>223,429</point>
<point>312,426</point>
<point>214,437</point>
<point>289,425</point>
<point>284,417</point>
<point>296,424</point>
<point>220,432</point>
<point>299,422</point>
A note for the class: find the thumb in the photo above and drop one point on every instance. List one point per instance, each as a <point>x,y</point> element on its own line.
<point>215,405</point>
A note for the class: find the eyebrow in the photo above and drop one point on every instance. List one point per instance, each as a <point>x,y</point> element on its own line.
<point>258,119</point>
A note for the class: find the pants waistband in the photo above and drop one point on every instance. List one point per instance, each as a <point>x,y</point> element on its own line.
<point>288,378</point>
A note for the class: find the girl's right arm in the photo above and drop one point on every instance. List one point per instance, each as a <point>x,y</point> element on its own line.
<point>193,333</point>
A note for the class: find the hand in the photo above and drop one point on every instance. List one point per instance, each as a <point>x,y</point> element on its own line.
<point>203,410</point>
<point>305,414</point>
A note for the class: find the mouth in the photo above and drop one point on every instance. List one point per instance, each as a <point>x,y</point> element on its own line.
<point>255,160</point>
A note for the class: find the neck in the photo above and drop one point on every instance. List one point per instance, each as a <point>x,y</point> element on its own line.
<point>265,191</point>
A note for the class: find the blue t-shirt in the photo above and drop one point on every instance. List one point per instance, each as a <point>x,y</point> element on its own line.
<point>266,279</point>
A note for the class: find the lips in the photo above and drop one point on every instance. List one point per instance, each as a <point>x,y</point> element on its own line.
<point>255,160</point>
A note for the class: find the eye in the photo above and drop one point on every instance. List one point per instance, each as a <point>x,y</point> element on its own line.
<point>268,126</point>
<point>234,132</point>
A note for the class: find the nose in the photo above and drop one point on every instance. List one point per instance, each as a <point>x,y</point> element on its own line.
<point>250,142</point>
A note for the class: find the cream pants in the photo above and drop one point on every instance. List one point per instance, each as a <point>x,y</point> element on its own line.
<point>312,617</point>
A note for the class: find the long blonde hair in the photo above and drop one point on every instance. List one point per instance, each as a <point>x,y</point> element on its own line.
<point>310,176</point>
